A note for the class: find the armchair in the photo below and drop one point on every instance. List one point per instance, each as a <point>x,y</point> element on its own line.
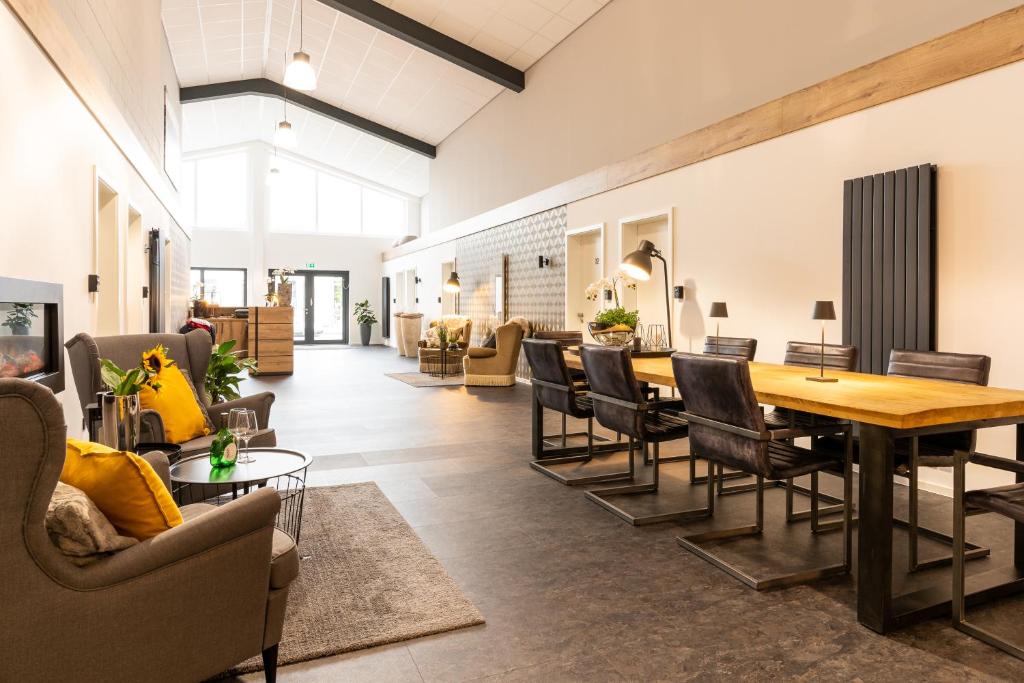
<point>126,616</point>
<point>192,354</point>
<point>495,367</point>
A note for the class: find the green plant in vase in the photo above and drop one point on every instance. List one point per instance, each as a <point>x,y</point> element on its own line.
<point>19,318</point>
<point>120,409</point>
<point>366,319</point>
<point>223,374</point>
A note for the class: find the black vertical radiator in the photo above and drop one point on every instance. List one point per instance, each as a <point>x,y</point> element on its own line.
<point>889,264</point>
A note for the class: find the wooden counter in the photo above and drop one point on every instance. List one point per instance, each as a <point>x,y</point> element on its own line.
<point>271,339</point>
<point>229,327</point>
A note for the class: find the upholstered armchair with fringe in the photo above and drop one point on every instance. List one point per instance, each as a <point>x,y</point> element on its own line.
<point>495,367</point>
<point>192,354</point>
<point>184,605</point>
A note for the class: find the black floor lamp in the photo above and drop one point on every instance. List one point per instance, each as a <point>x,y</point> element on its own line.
<point>639,266</point>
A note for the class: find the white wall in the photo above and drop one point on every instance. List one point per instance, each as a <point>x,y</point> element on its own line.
<point>642,72</point>
<point>761,228</point>
<point>427,264</point>
<point>51,150</point>
<point>260,250</point>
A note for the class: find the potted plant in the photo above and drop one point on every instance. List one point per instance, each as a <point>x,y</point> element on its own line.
<point>19,318</point>
<point>284,286</point>
<point>223,373</point>
<point>366,319</point>
<point>612,326</point>
<point>120,407</point>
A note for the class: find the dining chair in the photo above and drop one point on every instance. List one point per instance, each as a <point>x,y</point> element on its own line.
<point>810,355</point>
<point>620,405</point>
<point>739,347</point>
<point>727,428</point>
<point>1007,501</point>
<point>556,388</point>
<point>934,450</point>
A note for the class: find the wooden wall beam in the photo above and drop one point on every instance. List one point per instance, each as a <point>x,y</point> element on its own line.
<point>973,49</point>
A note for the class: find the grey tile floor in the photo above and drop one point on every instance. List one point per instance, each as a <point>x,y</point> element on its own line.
<point>569,591</point>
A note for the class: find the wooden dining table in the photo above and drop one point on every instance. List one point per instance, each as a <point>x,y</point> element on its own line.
<point>885,409</point>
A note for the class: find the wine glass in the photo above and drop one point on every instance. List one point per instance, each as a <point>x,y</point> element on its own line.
<point>242,425</point>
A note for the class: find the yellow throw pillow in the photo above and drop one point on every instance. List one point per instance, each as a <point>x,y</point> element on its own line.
<point>177,405</point>
<point>123,486</point>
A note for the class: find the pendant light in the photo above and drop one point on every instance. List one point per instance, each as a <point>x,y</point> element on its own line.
<point>284,134</point>
<point>300,75</point>
<point>273,176</point>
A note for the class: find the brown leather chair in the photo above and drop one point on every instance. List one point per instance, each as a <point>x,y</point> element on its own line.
<point>182,606</point>
<point>727,428</point>
<point>495,367</point>
<point>1007,501</point>
<point>934,450</point>
<point>191,352</point>
<point>555,388</point>
<point>620,405</point>
<point>738,347</point>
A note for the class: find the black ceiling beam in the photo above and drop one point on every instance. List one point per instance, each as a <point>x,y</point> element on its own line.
<point>268,88</point>
<point>434,42</point>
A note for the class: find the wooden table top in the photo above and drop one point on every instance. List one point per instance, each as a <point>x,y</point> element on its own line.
<point>897,402</point>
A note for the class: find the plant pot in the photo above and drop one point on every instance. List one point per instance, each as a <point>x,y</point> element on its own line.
<point>284,294</point>
<point>19,330</point>
<point>364,333</point>
<point>121,422</point>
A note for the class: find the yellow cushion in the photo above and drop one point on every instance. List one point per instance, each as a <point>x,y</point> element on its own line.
<point>176,403</point>
<point>123,486</point>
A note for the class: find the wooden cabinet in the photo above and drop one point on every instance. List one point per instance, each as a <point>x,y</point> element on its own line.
<point>232,328</point>
<point>271,332</point>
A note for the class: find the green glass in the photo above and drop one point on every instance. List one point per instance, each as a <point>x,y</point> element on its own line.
<point>223,451</point>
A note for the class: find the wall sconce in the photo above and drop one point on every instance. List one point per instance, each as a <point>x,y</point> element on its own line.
<point>543,262</point>
<point>679,292</point>
<point>94,284</point>
<point>418,279</point>
<point>607,295</point>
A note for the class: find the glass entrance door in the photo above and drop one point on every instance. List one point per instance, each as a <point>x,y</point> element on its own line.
<point>320,298</point>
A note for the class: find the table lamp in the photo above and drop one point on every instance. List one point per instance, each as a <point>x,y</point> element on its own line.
<point>638,265</point>
<point>823,310</point>
<point>718,310</point>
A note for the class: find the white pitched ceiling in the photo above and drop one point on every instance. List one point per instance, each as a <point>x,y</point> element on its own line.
<point>362,69</point>
<point>216,123</point>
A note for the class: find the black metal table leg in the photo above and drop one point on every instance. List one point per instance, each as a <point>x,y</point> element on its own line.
<point>874,548</point>
<point>1018,528</point>
<point>537,425</point>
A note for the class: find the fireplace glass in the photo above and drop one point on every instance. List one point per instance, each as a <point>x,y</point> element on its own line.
<point>24,351</point>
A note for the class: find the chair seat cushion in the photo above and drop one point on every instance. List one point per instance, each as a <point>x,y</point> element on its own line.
<point>661,426</point>
<point>780,419</point>
<point>125,488</point>
<point>1005,500</point>
<point>284,560</point>
<point>792,461</point>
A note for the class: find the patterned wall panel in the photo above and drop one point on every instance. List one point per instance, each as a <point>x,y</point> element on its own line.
<point>537,294</point>
<point>179,278</point>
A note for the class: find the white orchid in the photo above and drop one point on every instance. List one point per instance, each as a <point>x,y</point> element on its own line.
<point>609,284</point>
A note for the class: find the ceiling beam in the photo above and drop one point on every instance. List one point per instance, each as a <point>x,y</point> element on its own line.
<point>436,43</point>
<point>268,88</point>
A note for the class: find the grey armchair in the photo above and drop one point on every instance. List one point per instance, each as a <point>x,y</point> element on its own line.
<point>182,606</point>
<point>192,354</point>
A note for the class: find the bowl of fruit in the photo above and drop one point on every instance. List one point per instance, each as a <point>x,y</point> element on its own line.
<point>611,335</point>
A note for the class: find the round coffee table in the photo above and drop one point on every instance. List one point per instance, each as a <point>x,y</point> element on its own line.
<point>284,469</point>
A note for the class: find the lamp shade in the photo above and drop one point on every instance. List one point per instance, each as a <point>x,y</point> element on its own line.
<point>718,310</point>
<point>284,135</point>
<point>273,176</point>
<point>300,75</point>
<point>638,264</point>
<point>453,285</point>
<point>824,310</point>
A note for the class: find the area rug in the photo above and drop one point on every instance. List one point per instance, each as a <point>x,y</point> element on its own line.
<point>419,379</point>
<point>368,580</point>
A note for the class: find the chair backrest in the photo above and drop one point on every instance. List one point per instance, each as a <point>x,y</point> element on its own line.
<point>719,388</point>
<point>808,354</point>
<point>548,365</point>
<point>563,337</point>
<point>738,347</point>
<point>610,373</point>
<point>190,351</point>
<point>964,368</point>
<point>508,339</point>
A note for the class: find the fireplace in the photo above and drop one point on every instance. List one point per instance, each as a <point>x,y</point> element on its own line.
<point>31,331</point>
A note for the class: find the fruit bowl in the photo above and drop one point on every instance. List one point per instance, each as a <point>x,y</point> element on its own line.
<point>616,335</point>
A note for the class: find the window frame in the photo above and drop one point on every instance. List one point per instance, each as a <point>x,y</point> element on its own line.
<point>245,279</point>
<point>195,160</point>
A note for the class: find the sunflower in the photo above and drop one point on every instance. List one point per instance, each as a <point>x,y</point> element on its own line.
<point>155,360</point>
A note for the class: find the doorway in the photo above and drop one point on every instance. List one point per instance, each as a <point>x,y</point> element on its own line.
<point>449,300</point>
<point>320,300</point>
<point>584,264</point>
<point>108,260</point>
<point>648,297</point>
<point>137,277</point>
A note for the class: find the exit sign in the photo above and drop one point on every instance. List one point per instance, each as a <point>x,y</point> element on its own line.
<point>311,266</point>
